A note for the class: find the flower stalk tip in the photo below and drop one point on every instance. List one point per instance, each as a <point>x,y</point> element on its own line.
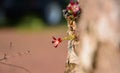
<point>72,11</point>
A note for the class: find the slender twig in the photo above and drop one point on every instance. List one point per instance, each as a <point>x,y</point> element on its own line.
<point>12,65</point>
<point>16,66</point>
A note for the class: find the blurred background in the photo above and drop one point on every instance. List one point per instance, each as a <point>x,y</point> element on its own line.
<point>26,30</point>
<point>12,11</point>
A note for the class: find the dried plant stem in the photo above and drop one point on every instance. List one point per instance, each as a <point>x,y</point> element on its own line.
<point>16,66</point>
<point>72,46</point>
<point>12,65</point>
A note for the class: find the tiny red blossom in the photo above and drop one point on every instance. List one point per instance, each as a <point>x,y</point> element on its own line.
<point>74,7</point>
<point>72,2</point>
<point>56,42</point>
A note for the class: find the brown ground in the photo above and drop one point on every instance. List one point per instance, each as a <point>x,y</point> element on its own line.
<point>43,57</point>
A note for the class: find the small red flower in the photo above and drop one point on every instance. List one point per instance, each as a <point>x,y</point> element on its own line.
<point>56,42</point>
<point>72,2</point>
<point>69,8</point>
<point>73,7</point>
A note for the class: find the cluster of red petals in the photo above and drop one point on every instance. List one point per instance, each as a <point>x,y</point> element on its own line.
<point>56,42</point>
<point>73,7</point>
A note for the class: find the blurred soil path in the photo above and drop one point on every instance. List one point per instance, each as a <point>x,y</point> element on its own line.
<point>32,51</point>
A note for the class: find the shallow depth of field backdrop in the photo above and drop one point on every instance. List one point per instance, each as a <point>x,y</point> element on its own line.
<point>26,30</point>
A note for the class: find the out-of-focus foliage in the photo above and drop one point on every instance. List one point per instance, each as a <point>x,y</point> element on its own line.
<point>12,11</point>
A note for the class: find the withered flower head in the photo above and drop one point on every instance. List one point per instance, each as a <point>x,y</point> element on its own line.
<point>73,10</point>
